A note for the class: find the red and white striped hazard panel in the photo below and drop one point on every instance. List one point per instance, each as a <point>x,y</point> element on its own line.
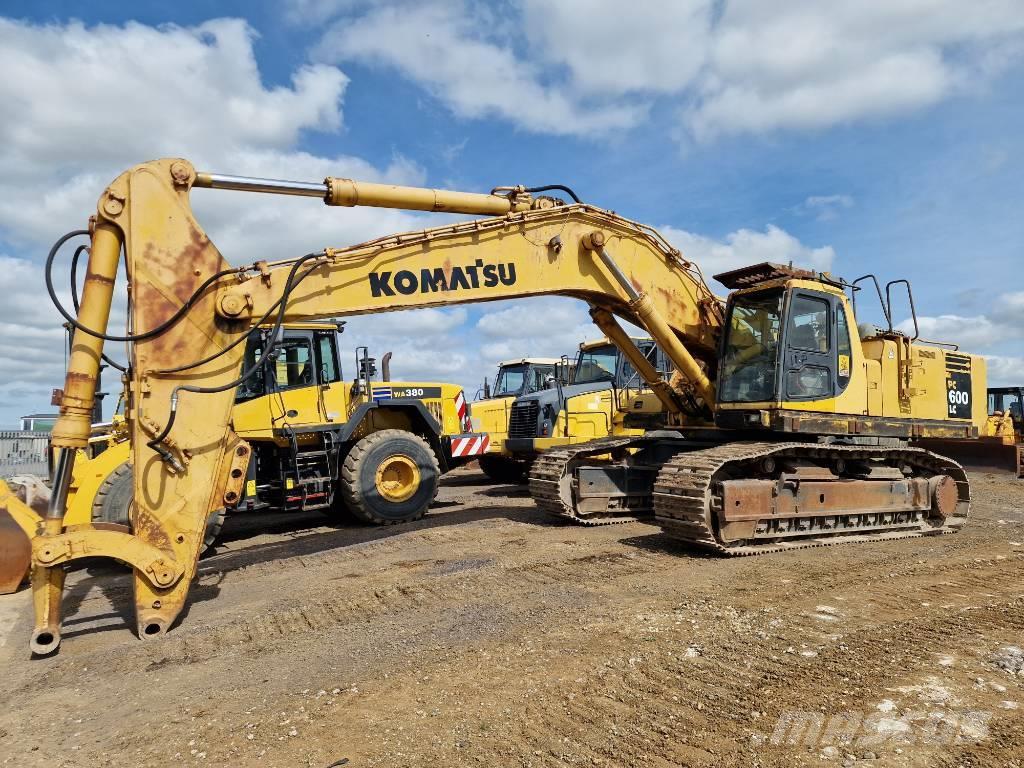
<point>470,445</point>
<point>462,409</point>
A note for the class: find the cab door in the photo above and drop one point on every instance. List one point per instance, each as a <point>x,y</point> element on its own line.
<point>811,359</point>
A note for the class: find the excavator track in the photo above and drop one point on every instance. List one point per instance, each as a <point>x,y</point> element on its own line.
<point>686,497</point>
<point>551,479</point>
<point>688,487</point>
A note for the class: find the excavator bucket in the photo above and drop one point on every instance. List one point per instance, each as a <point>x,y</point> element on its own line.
<point>17,522</point>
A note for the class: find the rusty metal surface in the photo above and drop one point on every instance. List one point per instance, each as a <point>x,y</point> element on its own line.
<point>552,476</point>
<point>684,494</point>
<point>685,490</point>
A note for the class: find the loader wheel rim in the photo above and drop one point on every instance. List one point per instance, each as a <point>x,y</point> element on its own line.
<point>398,478</point>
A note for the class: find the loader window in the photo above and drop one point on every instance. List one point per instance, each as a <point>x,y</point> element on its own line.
<point>597,364</point>
<point>328,358</point>
<point>751,351</point>
<point>256,384</point>
<point>294,366</point>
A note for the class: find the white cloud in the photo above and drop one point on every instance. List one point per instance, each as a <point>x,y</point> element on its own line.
<point>1003,322</point>
<point>88,102</point>
<point>745,247</point>
<point>92,96</point>
<point>989,334</point>
<point>742,66</point>
<point>825,207</point>
<point>1005,371</point>
<point>643,46</point>
<point>440,46</point>
<point>971,333</point>
<point>808,65</point>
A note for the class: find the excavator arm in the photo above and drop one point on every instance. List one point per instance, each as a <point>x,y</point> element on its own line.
<point>190,312</point>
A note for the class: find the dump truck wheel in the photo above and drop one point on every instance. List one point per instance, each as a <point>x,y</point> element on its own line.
<point>114,497</point>
<point>390,477</point>
<point>501,469</point>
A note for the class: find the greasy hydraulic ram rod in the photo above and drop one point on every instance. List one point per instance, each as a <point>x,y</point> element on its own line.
<point>74,425</point>
<point>346,192</point>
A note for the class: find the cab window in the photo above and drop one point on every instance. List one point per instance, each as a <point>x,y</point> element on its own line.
<point>808,324</point>
<point>844,347</point>
<point>328,358</point>
<point>597,364</point>
<point>294,364</point>
<point>809,362</point>
<point>539,380</point>
<point>256,384</point>
<point>751,348</point>
<point>510,381</point>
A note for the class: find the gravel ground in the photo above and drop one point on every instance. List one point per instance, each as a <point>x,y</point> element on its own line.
<point>488,635</point>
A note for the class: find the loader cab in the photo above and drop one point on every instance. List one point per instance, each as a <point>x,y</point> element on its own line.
<point>306,355</point>
<point>785,341</point>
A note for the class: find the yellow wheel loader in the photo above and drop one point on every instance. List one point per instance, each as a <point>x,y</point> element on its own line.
<point>372,449</point>
<point>786,426</point>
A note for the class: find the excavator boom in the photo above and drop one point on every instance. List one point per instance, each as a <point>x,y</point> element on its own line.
<point>191,310</point>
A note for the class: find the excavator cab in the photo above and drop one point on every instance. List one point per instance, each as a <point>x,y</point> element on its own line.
<point>783,342</point>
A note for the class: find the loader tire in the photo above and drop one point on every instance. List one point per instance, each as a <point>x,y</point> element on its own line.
<point>389,477</point>
<point>502,469</point>
<point>114,498</point>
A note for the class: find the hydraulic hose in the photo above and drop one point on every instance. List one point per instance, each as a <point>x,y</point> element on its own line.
<point>290,285</point>
<point>48,274</point>
<point>559,187</point>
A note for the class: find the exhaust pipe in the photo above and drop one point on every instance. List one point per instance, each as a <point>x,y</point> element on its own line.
<point>385,367</point>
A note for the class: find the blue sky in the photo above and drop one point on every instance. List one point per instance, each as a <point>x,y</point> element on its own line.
<point>877,137</point>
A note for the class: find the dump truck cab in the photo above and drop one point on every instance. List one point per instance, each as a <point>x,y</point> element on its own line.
<point>491,410</point>
<point>521,376</point>
<point>606,396</point>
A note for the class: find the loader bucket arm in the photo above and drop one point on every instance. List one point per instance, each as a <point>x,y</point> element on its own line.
<point>190,312</point>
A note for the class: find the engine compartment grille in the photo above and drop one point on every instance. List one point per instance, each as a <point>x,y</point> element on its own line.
<point>522,422</point>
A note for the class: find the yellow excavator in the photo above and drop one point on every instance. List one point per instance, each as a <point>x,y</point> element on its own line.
<point>786,427</point>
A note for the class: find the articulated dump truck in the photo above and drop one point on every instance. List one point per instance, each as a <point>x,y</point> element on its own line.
<point>490,413</point>
<point>783,425</point>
